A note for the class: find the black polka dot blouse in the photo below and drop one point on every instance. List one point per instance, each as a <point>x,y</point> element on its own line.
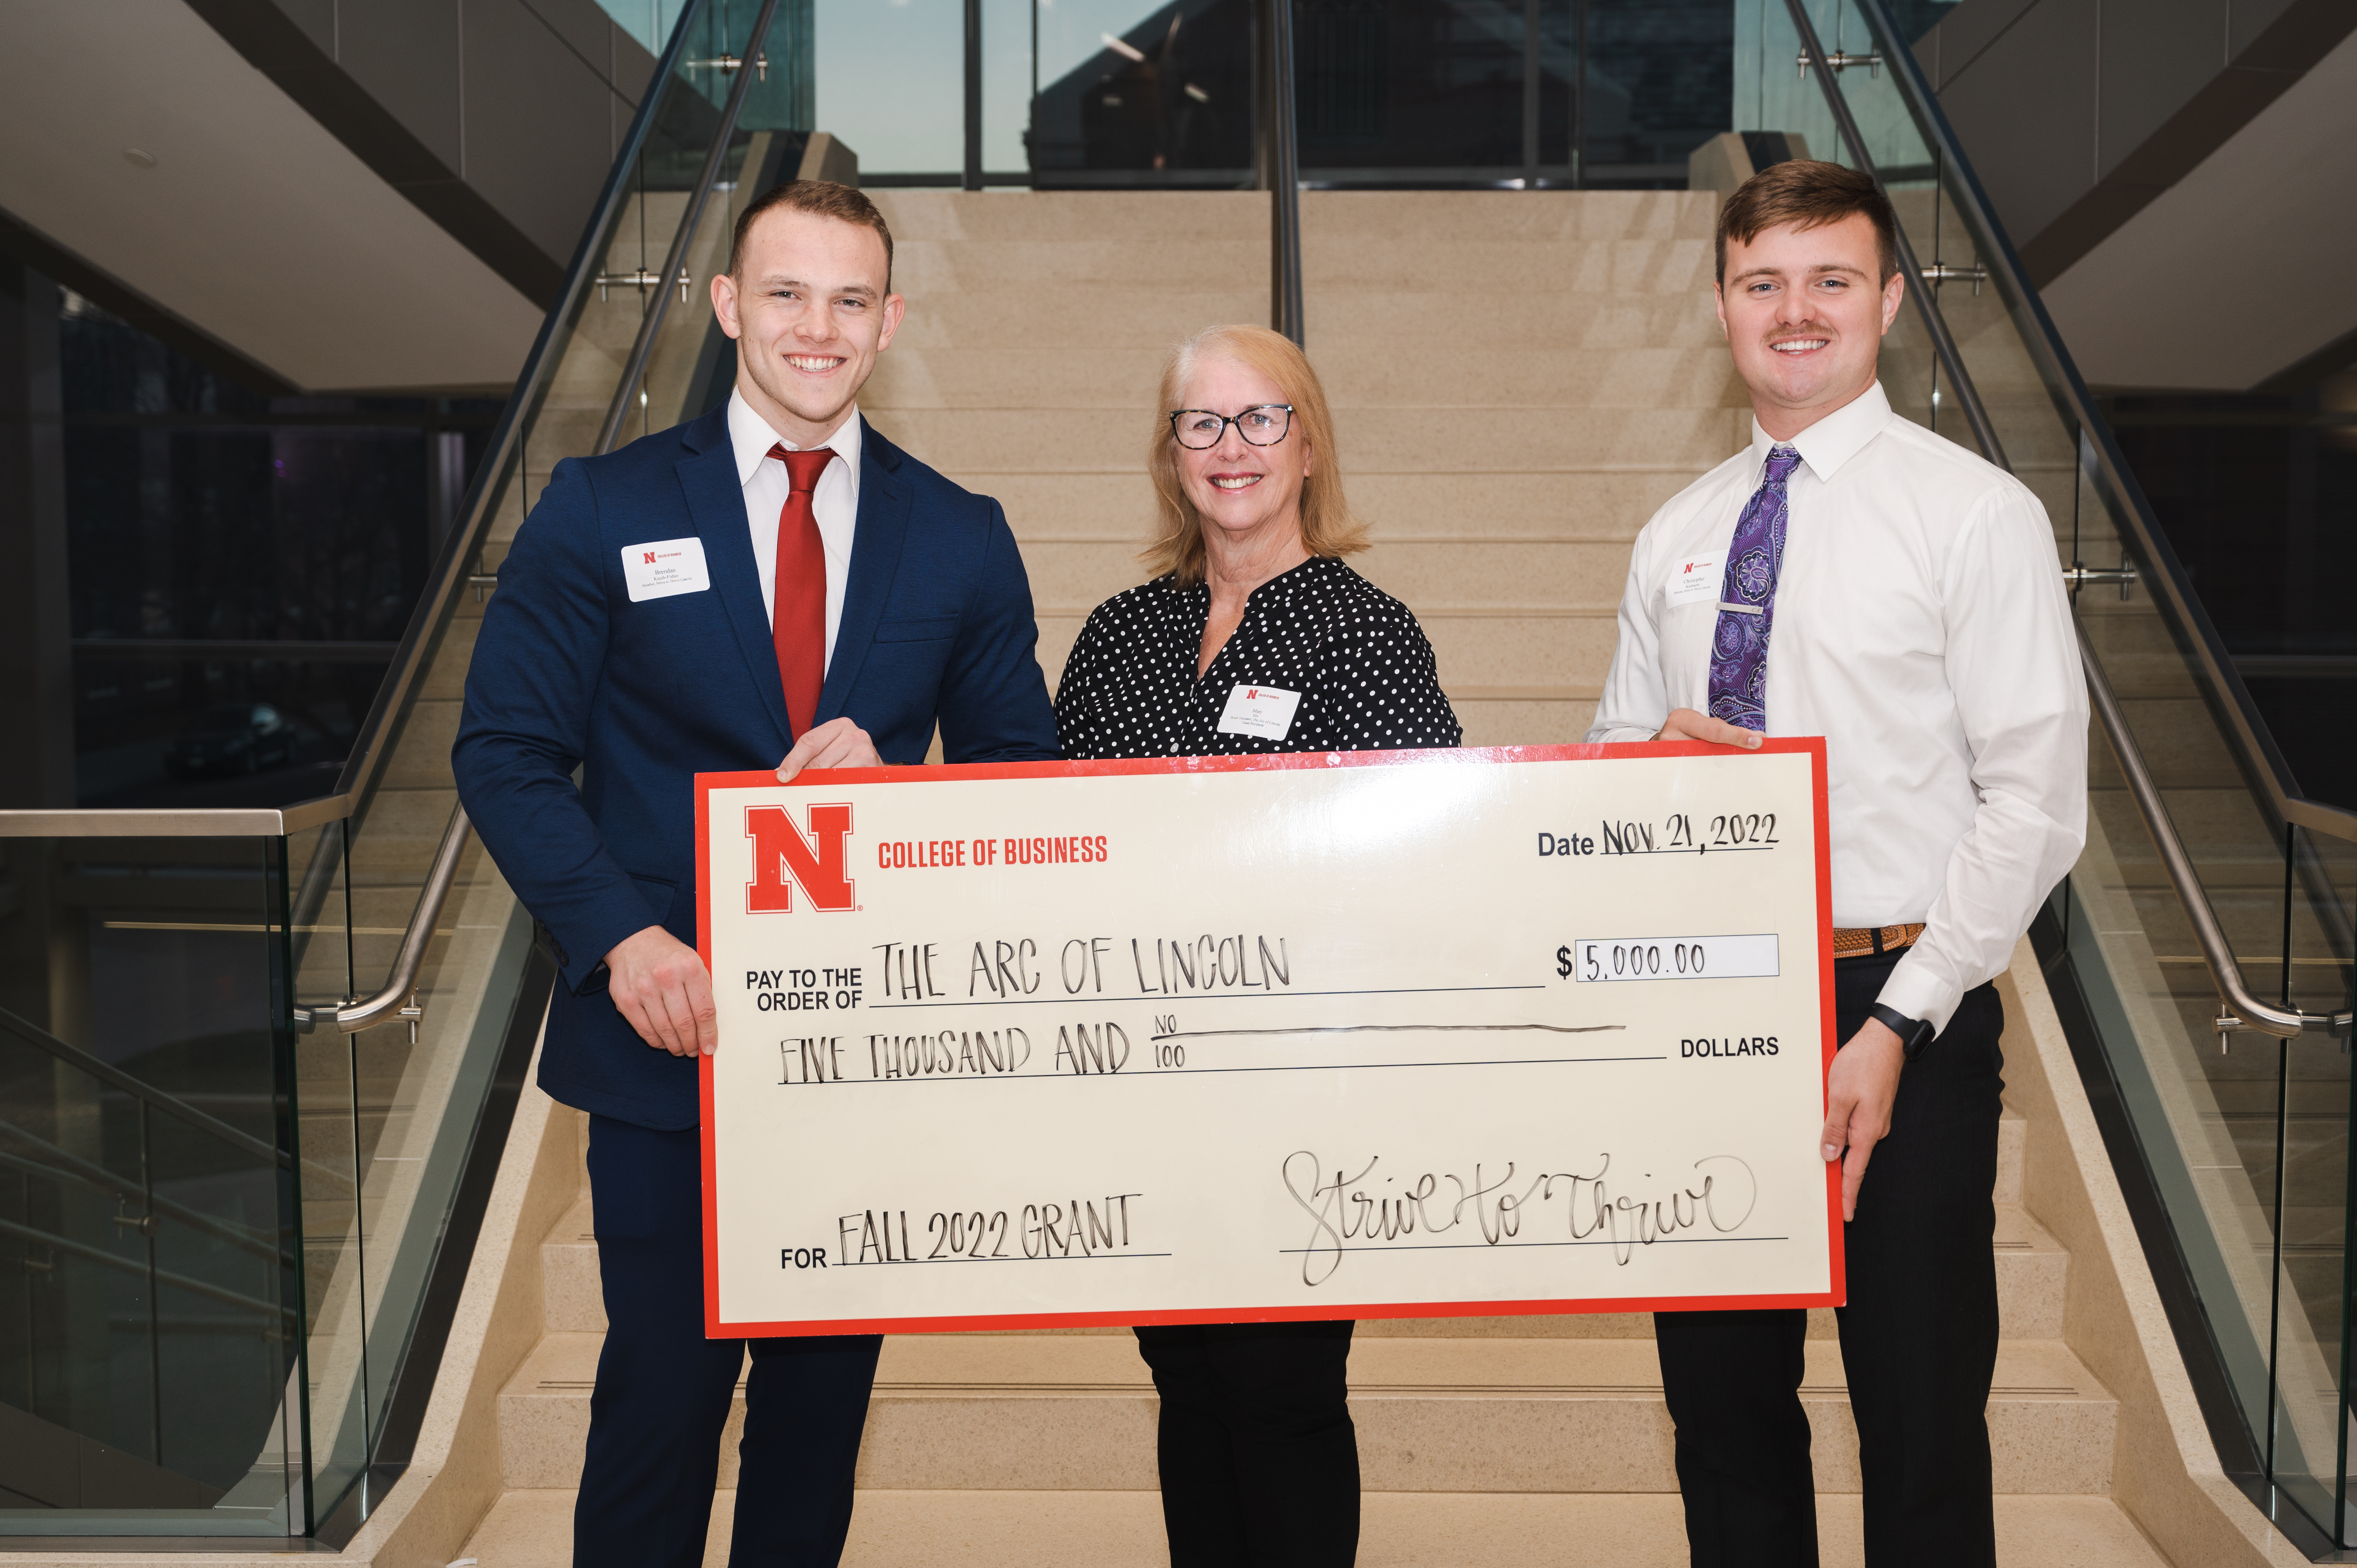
<point>1355,655</point>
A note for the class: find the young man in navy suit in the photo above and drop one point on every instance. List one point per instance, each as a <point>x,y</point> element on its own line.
<point>772,580</point>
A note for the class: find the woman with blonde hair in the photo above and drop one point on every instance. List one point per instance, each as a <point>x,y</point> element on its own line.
<point>1252,637</point>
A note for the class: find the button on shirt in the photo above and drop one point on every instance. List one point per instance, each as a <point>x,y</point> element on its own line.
<point>834,503</point>
<point>1923,629</point>
<point>1352,654</point>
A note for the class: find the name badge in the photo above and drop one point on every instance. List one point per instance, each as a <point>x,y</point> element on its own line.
<point>664,567</point>
<point>1692,578</point>
<point>1262,711</point>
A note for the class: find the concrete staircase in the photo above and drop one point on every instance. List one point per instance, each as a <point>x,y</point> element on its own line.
<point>1519,379</point>
<point>1038,1448</point>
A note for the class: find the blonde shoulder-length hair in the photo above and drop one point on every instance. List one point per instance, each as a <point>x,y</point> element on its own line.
<point>1328,527</point>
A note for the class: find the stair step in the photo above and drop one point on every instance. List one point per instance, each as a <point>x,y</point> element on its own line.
<point>1636,375</point>
<point>1397,1529</point>
<point>1065,1412</point>
<point>1372,440</point>
<point>569,1295</point>
<point>2032,1281</point>
<point>1570,505</point>
<point>1476,573</point>
<point>1375,220</point>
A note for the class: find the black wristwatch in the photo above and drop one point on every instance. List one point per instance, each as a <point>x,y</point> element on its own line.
<point>1913,1034</point>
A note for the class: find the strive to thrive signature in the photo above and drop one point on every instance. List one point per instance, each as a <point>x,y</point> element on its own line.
<point>1364,1210</point>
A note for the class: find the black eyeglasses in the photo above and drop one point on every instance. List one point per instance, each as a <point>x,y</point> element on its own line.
<point>1263,424</point>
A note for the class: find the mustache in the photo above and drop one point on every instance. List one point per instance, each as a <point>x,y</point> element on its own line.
<point>1805,330</point>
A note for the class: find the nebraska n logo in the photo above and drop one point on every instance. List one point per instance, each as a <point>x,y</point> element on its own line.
<point>783,856</point>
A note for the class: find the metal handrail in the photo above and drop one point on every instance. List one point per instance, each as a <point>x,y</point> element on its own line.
<point>205,1288</point>
<point>56,1165</point>
<point>114,1078</point>
<point>173,822</point>
<point>675,263</point>
<point>2238,1008</point>
<point>353,1017</point>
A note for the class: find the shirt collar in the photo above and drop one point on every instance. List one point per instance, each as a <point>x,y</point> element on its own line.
<point>751,436</point>
<point>1832,441</point>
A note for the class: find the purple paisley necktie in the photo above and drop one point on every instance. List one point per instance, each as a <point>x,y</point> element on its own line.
<point>1746,600</point>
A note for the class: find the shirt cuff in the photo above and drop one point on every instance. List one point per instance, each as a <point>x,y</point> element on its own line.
<point>1914,991</point>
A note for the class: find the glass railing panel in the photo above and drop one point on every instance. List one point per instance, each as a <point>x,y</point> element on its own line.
<point>202,722</point>
<point>891,82</point>
<point>149,1379</point>
<point>1129,93</point>
<point>1133,93</point>
<point>692,364</point>
<point>2204,1118</point>
<point>334,1264</point>
<point>1647,83</point>
<point>2312,973</point>
<point>1008,80</point>
<point>415,1104</point>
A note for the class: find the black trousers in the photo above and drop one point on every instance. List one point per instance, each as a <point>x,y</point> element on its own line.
<point>1918,1336</point>
<point>664,1389</point>
<point>1259,1460</point>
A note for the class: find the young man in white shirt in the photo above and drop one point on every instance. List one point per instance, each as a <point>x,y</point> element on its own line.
<point>1900,597</point>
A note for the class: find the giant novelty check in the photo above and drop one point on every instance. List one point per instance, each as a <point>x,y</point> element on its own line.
<point>1301,1037</point>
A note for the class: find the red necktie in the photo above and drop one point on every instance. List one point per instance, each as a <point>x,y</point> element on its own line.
<point>798,603</point>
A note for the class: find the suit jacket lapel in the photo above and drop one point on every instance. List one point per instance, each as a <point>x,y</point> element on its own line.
<point>875,540</point>
<point>716,502</point>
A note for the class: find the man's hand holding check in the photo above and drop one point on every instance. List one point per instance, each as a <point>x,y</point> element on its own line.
<point>658,984</point>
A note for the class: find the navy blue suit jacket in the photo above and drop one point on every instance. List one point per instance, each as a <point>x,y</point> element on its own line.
<point>567,671</point>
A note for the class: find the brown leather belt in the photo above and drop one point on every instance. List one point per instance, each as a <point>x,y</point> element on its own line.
<point>1866,941</point>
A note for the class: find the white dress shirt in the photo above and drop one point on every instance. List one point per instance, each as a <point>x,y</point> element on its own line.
<point>1923,629</point>
<point>834,503</point>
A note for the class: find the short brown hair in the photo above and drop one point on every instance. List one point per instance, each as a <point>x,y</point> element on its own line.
<point>1328,525</point>
<point>823,197</point>
<point>1807,194</point>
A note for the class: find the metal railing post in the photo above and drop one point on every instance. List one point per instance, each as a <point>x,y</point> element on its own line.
<point>398,999</point>
<point>1281,167</point>
<point>972,177</point>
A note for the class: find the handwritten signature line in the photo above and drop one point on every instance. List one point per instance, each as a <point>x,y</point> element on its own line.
<point>1392,1029</point>
<point>1494,1246</point>
<point>1255,994</point>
